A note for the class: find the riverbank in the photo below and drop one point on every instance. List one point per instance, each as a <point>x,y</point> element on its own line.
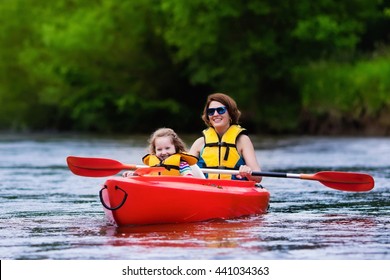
<point>333,124</point>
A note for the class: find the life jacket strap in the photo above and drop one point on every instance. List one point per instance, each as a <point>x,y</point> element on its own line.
<point>222,144</point>
<point>167,166</point>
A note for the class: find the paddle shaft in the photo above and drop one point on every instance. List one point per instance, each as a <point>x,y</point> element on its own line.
<point>254,173</point>
<point>345,181</point>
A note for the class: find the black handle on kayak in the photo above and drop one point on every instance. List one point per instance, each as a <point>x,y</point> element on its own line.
<point>108,207</point>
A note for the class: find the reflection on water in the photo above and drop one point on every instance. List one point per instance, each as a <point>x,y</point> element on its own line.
<point>46,212</point>
<point>218,234</point>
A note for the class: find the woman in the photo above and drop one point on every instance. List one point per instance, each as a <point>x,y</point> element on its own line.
<point>225,144</point>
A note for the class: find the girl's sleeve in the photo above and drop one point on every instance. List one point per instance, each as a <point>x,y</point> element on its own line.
<point>185,169</point>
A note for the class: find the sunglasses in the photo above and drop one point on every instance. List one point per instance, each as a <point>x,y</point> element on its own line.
<point>220,111</point>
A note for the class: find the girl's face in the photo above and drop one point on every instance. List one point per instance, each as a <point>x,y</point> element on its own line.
<point>164,147</point>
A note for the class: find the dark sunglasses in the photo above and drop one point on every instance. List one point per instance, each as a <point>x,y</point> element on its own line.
<point>220,111</point>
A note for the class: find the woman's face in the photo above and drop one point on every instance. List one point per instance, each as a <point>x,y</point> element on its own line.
<point>218,115</point>
<point>164,147</point>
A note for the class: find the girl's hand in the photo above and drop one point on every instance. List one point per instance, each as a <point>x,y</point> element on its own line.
<point>128,174</point>
<point>245,172</point>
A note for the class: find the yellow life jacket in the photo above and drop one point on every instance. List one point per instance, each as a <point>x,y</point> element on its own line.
<point>221,153</point>
<point>171,163</point>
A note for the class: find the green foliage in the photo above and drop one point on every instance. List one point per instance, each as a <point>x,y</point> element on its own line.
<point>346,89</point>
<point>87,59</point>
<point>227,40</point>
<point>241,47</point>
<point>133,65</point>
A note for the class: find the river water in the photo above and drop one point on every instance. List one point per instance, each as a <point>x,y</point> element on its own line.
<point>47,212</point>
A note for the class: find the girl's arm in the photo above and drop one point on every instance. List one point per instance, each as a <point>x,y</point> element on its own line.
<point>185,169</point>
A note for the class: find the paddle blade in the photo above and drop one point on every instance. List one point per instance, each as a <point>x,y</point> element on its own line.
<point>93,172</point>
<point>95,167</point>
<point>344,181</point>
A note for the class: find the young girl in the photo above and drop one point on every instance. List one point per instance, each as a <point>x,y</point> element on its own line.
<point>169,151</point>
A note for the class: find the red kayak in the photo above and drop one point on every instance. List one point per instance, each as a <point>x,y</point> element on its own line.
<point>141,200</point>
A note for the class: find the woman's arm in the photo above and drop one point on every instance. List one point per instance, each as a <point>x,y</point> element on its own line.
<point>246,149</point>
<point>197,147</point>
